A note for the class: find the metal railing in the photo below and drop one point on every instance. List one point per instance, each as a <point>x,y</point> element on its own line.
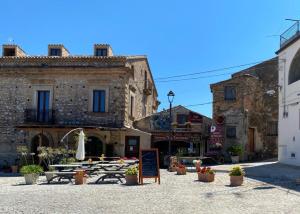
<point>289,34</point>
<point>39,116</point>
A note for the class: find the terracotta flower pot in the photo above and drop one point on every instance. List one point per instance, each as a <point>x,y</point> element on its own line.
<point>205,177</point>
<point>131,179</point>
<point>181,171</point>
<point>236,180</point>
<point>201,177</point>
<point>14,169</point>
<point>80,177</point>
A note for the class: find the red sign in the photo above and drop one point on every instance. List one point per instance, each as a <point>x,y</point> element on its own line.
<point>195,118</point>
<point>217,136</point>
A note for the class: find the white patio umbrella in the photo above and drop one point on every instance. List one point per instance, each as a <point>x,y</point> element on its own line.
<point>80,153</point>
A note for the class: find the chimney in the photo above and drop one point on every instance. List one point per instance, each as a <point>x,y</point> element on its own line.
<point>12,50</point>
<point>102,50</point>
<point>57,50</point>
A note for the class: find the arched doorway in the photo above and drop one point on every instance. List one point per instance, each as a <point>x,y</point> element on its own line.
<point>93,147</point>
<point>38,141</point>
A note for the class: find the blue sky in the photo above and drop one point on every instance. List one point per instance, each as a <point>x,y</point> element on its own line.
<point>179,37</point>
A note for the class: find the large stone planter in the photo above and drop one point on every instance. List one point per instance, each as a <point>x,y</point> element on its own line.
<point>235,159</point>
<point>236,180</point>
<point>131,179</point>
<point>49,175</point>
<point>31,178</point>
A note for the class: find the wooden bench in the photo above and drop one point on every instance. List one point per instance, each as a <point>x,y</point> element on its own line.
<point>60,175</point>
<point>111,174</point>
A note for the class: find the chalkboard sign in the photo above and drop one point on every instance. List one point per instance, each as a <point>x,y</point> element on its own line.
<point>149,165</point>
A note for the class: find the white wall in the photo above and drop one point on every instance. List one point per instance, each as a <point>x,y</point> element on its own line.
<point>289,98</point>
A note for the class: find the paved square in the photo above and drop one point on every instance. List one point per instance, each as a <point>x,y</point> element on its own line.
<point>176,194</point>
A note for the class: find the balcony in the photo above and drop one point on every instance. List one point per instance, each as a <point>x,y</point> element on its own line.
<point>289,34</point>
<point>39,117</point>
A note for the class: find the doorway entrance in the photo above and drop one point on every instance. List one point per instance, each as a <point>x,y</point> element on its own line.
<point>93,147</point>
<point>132,146</point>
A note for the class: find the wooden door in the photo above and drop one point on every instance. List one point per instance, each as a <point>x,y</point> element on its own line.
<point>251,143</point>
<point>132,146</point>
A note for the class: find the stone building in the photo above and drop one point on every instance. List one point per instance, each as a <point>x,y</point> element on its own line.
<point>189,131</point>
<point>289,96</point>
<point>245,111</point>
<point>44,97</point>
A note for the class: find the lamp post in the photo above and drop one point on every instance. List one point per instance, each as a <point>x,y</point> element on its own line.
<point>170,98</point>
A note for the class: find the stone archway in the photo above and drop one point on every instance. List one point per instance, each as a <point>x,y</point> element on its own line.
<point>294,72</point>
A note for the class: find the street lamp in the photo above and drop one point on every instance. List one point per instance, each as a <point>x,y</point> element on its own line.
<point>170,98</point>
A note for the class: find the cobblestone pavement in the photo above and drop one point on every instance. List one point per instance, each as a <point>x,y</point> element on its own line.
<point>176,194</point>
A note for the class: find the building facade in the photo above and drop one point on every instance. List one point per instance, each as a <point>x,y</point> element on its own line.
<point>44,97</point>
<point>189,132</point>
<point>289,92</point>
<point>245,111</point>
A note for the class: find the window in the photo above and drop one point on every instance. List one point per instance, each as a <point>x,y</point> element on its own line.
<point>101,52</point>
<point>294,74</point>
<point>230,93</point>
<point>231,132</point>
<point>272,128</point>
<point>131,106</point>
<point>145,80</point>
<point>55,52</point>
<point>98,101</point>
<point>9,52</point>
<point>182,118</point>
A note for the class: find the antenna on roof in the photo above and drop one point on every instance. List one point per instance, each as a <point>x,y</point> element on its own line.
<point>10,40</point>
<point>293,20</point>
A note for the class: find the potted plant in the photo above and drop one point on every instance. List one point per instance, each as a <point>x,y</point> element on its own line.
<point>131,175</point>
<point>80,177</point>
<point>235,151</point>
<point>31,173</point>
<point>236,176</point>
<point>181,169</point>
<point>14,168</point>
<point>206,174</point>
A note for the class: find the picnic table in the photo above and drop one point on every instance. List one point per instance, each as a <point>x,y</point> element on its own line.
<point>64,171</point>
<point>110,171</point>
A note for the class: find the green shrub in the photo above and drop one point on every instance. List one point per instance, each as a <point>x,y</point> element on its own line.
<point>236,171</point>
<point>132,171</point>
<point>235,150</point>
<point>31,169</point>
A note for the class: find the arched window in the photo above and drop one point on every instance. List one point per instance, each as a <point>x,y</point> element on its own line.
<point>294,74</point>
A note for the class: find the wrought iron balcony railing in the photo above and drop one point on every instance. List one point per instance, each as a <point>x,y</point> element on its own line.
<point>290,34</point>
<point>39,116</point>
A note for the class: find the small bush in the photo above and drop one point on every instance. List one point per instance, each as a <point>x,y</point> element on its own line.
<point>31,169</point>
<point>132,171</point>
<point>236,171</point>
<point>235,150</point>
